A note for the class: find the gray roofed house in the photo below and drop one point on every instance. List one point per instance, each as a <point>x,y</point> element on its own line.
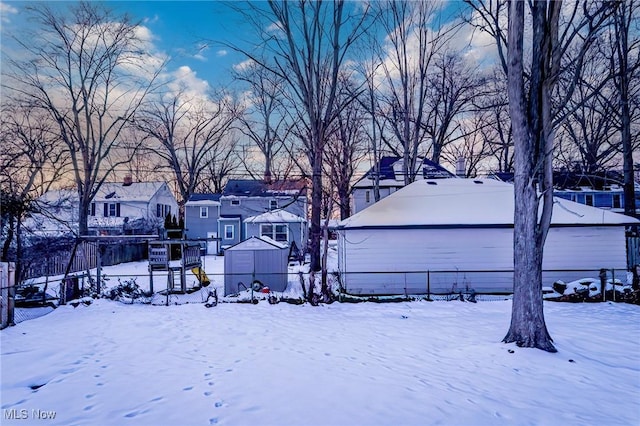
<point>242,199</point>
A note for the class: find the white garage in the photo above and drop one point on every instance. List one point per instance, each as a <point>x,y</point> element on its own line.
<point>451,234</point>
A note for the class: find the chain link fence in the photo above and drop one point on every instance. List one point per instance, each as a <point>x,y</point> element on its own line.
<point>354,286</point>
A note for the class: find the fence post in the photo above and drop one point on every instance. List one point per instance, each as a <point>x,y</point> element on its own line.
<point>98,267</point>
<point>613,283</point>
<point>428,285</point>
<point>7,294</point>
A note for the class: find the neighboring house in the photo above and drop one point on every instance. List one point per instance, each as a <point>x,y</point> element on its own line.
<point>461,231</point>
<point>247,200</point>
<point>118,208</point>
<point>201,214</point>
<point>602,190</point>
<point>280,226</point>
<point>391,179</point>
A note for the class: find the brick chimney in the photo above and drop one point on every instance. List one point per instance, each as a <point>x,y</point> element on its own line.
<point>128,180</point>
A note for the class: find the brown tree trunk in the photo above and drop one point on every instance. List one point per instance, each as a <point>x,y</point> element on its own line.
<point>527,328</point>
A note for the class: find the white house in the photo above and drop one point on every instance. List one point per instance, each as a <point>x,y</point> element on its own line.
<point>439,235</point>
<point>116,208</point>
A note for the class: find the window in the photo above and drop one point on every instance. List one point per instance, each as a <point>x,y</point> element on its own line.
<point>616,202</point>
<point>162,210</point>
<point>367,196</point>
<point>588,199</point>
<point>204,212</point>
<point>92,210</point>
<point>228,232</point>
<point>235,202</point>
<point>275,232</point>
<point>273,204</point>
<point>111,209</point>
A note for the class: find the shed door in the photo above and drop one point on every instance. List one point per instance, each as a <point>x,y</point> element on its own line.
<point>212,246</point>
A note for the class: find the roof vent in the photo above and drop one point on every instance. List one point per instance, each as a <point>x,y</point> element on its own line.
<point>478,182</point>
<point>430,182</point>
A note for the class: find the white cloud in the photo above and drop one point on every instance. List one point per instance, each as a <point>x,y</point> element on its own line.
<point>153,20</point>
<point>222,52</point>
<point>243,65</point>
<point>185,80</point>
<point>5,11</point>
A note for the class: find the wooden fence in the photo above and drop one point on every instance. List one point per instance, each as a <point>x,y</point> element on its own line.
<point>86,257</point>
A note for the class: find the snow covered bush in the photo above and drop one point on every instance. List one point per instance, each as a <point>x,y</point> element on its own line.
<point>128,291</point>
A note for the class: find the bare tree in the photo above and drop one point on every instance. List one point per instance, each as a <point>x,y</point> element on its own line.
<point>32,159</point>
<point>264,121</point>
<point>371,103</point>
<point>88,70</point>
<point>191,133</point>
<point>625,63</point>
<point>496,125</point>
<point>535,114</point>
<point>221,162</point>
<point>472,148</point>
<point>453,85</point>
<point>405,59</point>
<point>309,48</point>
<point>345,150</point>
<point>588,140</point>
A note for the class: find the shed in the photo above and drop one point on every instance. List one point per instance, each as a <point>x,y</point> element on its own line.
<point>256,259</point>
<point>448,234</point>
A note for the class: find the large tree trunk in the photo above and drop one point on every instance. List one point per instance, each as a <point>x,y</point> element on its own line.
<point>315,233</point>
<point>528,328</point>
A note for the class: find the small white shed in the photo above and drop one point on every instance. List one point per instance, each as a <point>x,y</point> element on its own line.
<point>439,235</point>
<point>256,259</point>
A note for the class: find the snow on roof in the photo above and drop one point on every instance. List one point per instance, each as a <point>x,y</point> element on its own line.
<point>204,200</point>
<point>257,243</point>
<point>215,198</point>
<point>275,216</point>
<point>137,191</point>
<point>467,202</point>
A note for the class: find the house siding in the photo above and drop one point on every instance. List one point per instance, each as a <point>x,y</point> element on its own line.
<point>198,227</point>
<point>395,261</point>
<point>295,233</point>
<point>251,206</point>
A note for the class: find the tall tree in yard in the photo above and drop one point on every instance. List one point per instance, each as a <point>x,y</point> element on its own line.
<point>309,43</point>
<point>191,134</point>
<point>535,109</point>
<point>625,63</point>
<point>32,158</point>
<point>89,70</point>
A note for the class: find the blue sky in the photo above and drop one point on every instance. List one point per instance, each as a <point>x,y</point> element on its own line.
<point>189,32</point>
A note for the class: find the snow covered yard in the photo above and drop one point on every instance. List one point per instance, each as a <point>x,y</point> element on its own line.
<point>365,364</point>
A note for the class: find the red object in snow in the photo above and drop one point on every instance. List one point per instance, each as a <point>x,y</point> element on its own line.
<point>264,290</point>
